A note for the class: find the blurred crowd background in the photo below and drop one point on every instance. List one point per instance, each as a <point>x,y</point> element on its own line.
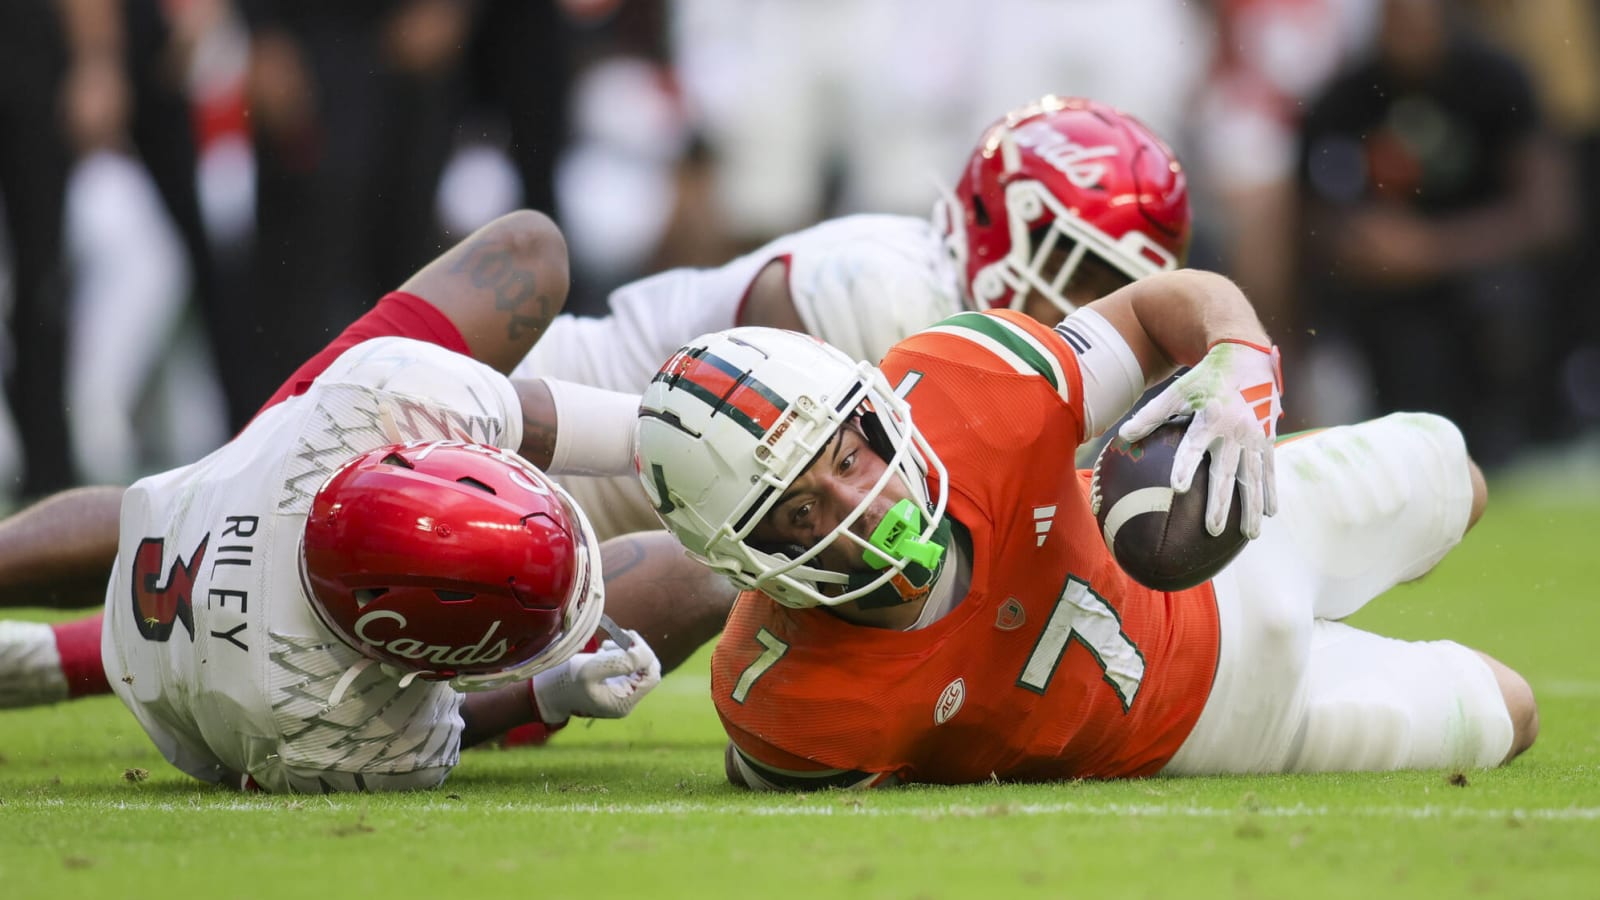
<point>197,194</point>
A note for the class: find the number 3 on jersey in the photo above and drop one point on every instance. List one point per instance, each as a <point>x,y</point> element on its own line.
<point>1082,615</point>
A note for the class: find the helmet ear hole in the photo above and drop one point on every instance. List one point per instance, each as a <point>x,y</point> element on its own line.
<point>777,548</point>
<point>980,212</point>
<point>877,437</point>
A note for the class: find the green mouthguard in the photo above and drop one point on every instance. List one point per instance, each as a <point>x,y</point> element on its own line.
<point>897,534</point>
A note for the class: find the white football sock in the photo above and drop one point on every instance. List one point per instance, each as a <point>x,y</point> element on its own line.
<point>30,666</point>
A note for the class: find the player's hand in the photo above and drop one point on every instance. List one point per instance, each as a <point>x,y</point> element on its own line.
<point>1233,398</point>
<point>605,684</point>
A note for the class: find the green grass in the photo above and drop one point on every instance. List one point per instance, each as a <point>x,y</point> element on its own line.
<point>639,807</point>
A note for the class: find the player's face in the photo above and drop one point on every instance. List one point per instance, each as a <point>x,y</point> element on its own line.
<point>836,482</point>
<point>1092,279</point>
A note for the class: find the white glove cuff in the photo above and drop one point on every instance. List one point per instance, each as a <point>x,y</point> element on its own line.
<point>544,692</point>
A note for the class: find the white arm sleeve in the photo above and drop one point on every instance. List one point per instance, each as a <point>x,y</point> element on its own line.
<point>1112,377</point>
<point>594,429</point>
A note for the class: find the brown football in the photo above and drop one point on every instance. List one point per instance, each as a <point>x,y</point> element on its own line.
<point>1157,535</point>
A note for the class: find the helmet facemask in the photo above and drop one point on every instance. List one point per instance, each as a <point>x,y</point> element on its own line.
<point>1054,184</point>
<point>901,573</point>
<point>1049,244</point>
<point>819,391</point>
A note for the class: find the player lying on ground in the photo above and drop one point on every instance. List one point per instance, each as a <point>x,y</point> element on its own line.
<point>927,597</point>
<point>304,608</point>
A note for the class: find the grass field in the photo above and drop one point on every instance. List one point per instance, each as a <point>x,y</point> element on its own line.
<point>639,807</point>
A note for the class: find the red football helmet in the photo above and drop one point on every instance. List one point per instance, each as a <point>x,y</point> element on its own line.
<point>452,561</point>
<point>1054,181</point>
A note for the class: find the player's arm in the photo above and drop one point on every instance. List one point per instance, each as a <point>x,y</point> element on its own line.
<point>768,302</point>
<point>606,683</point>
<point>1231,393</point>
<point>488,714</point>
<point>1173,319</point>
<point>500,287</point>
<point>575,429</point>
<point>653,587</point>
<point>59,551</point>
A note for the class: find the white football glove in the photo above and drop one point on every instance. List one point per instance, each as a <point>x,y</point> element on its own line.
<point>1233,398</point>
<point>605,684</point>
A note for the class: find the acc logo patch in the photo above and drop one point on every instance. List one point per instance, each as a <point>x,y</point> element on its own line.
<point>950,700</point>
<point>1011,615</point>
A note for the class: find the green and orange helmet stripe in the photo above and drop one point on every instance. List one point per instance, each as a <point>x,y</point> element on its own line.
<point>724,387</point>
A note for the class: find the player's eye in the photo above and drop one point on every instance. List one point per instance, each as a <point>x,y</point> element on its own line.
<point>799,514</point>
<point>848,461</point>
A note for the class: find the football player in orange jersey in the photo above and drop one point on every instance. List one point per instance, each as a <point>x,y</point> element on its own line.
<point>927,598</point>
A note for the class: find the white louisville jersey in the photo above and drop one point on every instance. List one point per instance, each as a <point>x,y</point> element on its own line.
<point>862,283</point>
<point>210,638</point>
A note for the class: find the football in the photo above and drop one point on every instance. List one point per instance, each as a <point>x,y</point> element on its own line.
<point>1158,536</point>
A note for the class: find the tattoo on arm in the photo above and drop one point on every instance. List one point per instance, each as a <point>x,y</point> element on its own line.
<point>622,556</point>
<point>489,266</point>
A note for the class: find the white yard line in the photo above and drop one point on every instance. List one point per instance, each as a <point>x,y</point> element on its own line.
<point>1567,689</point>
<point>841,805</point>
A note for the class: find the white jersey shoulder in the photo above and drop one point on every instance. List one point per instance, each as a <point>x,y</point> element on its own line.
<point>859,282</point>
<point>210,638</point>
<point>865,283</point>
<point>647,321</point>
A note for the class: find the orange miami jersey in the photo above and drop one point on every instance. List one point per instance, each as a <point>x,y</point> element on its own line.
<point>1053,665</point>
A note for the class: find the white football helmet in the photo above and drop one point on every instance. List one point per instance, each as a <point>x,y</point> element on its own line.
<point>734,417</point>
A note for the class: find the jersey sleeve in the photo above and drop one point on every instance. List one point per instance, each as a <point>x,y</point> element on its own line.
<point>430,391</point>
<point>998,344</point>
<point>1083,362</point>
